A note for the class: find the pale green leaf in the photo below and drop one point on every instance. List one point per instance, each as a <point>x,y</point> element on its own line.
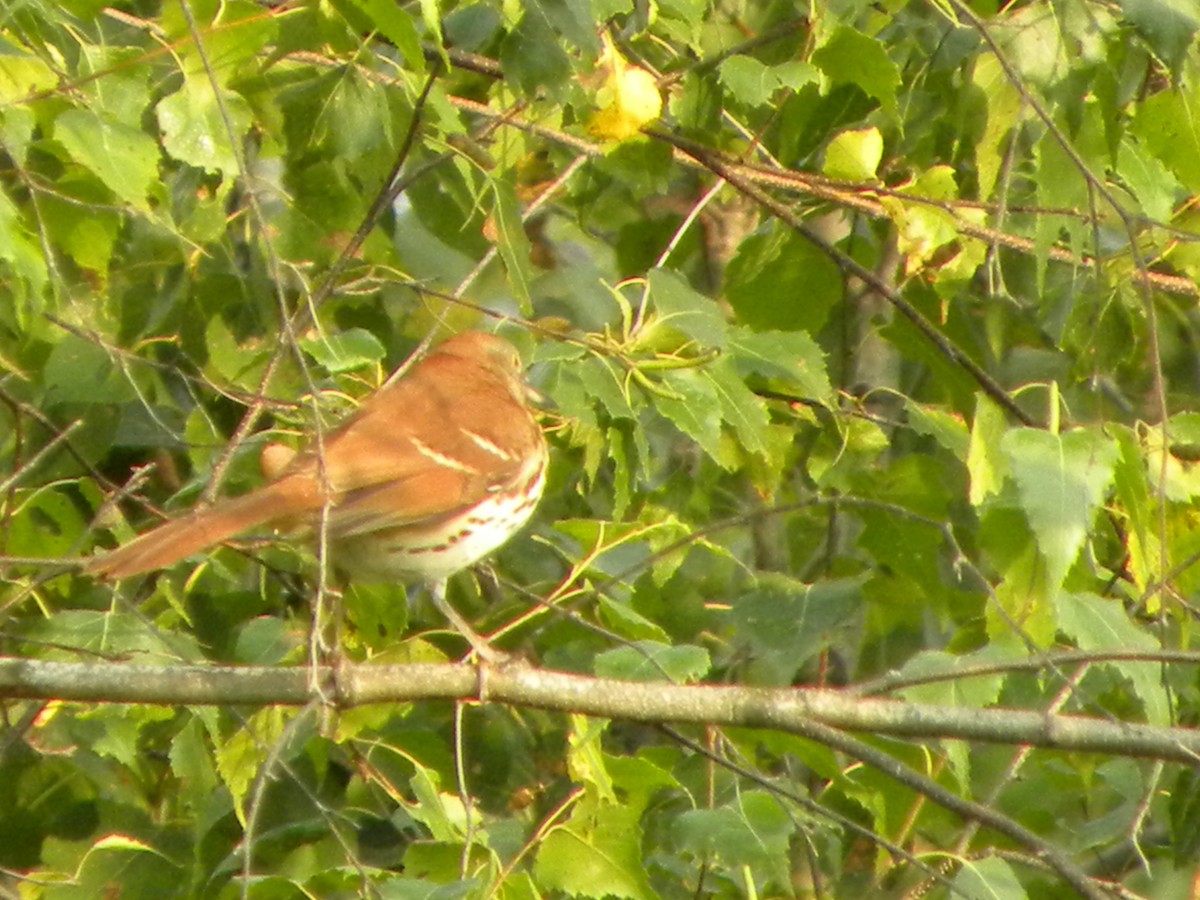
<point>1098,623</point>
<point>512,243</point>
<point>345,351</point>
<point>790,360</point>
<point>685,309</point>
<point>989,878</point>
<point>394,24</point>
<point>854,155</point>
<point>196,126</point>
<point>597,853</point>
<point>754,830</point>
<point>985,463</point>
<point>850,57</point>
<point>748,80</point>
<point>1061,479</point>
<point>125,159</point>
<point>653,661</point>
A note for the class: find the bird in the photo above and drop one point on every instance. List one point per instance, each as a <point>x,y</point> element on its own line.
<point>435,471</point>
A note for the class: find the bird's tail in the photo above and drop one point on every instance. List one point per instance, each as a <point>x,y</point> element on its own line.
<point>196,531</point>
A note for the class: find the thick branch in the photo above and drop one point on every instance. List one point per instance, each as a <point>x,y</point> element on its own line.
<point>783,709</point>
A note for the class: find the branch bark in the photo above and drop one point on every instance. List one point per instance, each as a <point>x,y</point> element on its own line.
<point>784,709</point>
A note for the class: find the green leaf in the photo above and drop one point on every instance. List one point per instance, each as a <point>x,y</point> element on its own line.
<point>748,80</point>
<point>781,280</point>
<point>1149,179</point>
<point>441,812</point>
<point>512,243</point>
<point>783,623</point>
<point>125,159</point>
<point>196,127</point>
<point>985,463</point>
<point>191,761</point>
<point>741,408</point>
<point>1165,125</point>
<point>1003,102</point>
<point>19,249</point>
<point>694,410</point>
<point>944,427</point>
<point>241,754</point>
<point>685,309</point>
<point>1061,479</point>
<point>395,24</point>
<point>598,853</point>
<point>533,57</point>
<point>854,155</point>
<point>753,831</point>
<point>850,57</point>
<point>949,689</point>
<point>263,641</point>
<point>22,73</point>
<point>345,351</point>
<point>49,526</point>
<point>654,661</point>
<point>789,360</point>
<point>1169,25</point>
<point>78,221</point>
<point>627,622</point>
<point>1098,623</point>
<point>80,371</point>
<point>989,878</point>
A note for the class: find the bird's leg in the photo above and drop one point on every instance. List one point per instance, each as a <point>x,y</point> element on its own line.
<point>484,650</point>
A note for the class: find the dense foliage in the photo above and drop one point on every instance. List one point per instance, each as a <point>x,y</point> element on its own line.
<point>871,358</point>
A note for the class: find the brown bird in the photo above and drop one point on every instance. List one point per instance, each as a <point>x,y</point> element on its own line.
<point>434,472</point>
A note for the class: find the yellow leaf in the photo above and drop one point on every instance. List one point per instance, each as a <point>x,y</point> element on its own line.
<point>628,99</point>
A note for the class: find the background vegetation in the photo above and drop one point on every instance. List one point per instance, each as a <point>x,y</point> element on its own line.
<point>871,363</point>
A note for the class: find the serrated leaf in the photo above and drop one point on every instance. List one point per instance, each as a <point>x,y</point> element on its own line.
<point>345,351</point>
<point>196,128</point>
<point>512,243</point>
<point>989,878</point>
<point>1004,104</point>
<point>240,756</point>
<point>1168,25</point>
<point>743,410</point>
<point>1061,481</point>
<point>20,250</point>
<point>596,854</point>
<point>944,427</point>
<point>80,371</point>
<point>1150,181</point>
<point>586,762</point>
<point>627,622</point>
<point>533,57</point>
<point>694,410</point>
<point>1097,623</point>
<point>851,57</point>
<point>394,24</point>
<point>442,813</point>
<point>782,281</point>
<point>654,661</point>
<point>685,309</point>
<point>1165,125</point>
<point>976,692</point>
<point>753,831</point>
<point>783,623</point>
<point>788,358</point>
<point>747,80</point>
<point>125,159</point>
<point>985,463</point>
